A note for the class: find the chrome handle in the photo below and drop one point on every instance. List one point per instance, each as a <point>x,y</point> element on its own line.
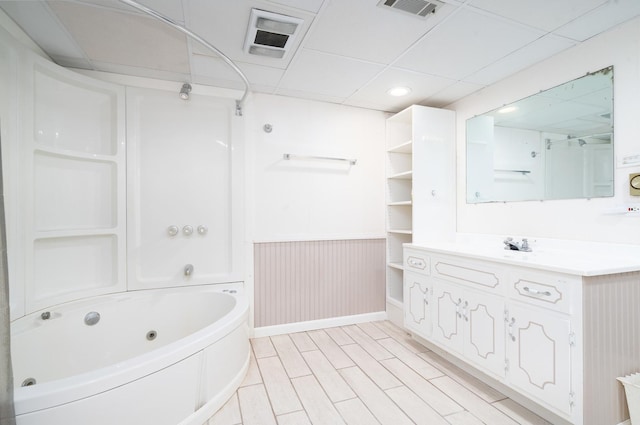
<point>415,262</point>
<point>188,269</point>
<point>511,335</point>
<point>458,308</point>
<point>536,292</point>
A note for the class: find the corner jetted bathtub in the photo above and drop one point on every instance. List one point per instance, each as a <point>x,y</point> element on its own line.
<point>155,357</point>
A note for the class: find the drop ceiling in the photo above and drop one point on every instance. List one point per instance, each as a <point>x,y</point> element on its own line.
<point>348,52</point>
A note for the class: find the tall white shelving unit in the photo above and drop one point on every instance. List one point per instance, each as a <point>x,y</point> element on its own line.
<point>420,192</point>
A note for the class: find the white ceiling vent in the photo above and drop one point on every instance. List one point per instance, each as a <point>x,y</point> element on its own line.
<point>270,34</point>
<point>420,8</point>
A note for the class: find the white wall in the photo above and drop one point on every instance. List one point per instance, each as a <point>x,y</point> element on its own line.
<point>565,219</point>
<point>302,199</point>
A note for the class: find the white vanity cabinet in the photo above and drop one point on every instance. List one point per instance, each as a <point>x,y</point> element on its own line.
<point>552,336</point>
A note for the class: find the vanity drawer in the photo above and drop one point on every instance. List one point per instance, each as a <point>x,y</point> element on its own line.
<point>482,275</point>
<point>416,261</point>
<point>545,289</point>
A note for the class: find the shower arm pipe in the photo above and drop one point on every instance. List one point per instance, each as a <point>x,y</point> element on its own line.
<point>196,37</point>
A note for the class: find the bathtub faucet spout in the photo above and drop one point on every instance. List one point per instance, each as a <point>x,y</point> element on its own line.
<point>188,269</point>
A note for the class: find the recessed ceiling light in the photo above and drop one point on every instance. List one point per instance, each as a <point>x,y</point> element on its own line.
<point>507,109</point>
<point>399,91</point>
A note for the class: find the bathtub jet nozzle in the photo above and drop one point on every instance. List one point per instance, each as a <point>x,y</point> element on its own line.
<point>188,269</point>
<point>91,318</point>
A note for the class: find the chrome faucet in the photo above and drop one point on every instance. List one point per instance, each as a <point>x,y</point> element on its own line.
<point>188,269</point>
<point>510,244</point>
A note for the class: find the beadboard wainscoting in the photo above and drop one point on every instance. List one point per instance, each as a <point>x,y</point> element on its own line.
<point>304,281</point>
<point>611,346</point>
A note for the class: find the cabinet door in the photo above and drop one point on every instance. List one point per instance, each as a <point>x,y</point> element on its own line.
<point>484,331</point>
<point>448,327</point>
<point>417,309</point>
<point>539,354</point>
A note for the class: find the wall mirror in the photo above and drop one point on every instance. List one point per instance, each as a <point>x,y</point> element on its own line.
<point>556,144</point>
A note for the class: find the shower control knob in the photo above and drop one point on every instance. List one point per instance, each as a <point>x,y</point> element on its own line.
<point>202,230</point>
<point>173,230</point>
<point>187,230</point>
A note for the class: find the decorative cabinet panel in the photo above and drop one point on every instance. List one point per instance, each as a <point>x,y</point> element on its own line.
<point>472,324</point>
<point>418,295</point>
<point>539,354</point>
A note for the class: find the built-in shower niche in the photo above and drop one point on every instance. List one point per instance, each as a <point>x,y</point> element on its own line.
<point>74,185</point>
<point>76,264</point>
<point>73,193</point>
<point>69,115</point>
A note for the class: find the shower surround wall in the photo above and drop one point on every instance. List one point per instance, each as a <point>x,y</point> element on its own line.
<point>71,185</point>
<point>183,173</point>
<point>74,234</point>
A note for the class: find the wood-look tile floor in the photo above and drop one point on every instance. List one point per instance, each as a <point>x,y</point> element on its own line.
<point>366,374</point>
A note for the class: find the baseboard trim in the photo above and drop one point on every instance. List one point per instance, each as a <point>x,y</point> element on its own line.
<point>318,324</point>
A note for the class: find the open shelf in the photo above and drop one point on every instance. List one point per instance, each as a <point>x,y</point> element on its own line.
<point>406,147</point>
<point>405,175</point>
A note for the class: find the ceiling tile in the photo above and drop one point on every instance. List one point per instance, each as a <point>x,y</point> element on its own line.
<point>378,105</point>
<point>450,94</point>
<point>124,39</point>
<point>386,34</point>
<point>215,68</point>
<point>308,5</point>
<point>169,8</point>
<point>466,43</point>
<point>421,86</point>
<point>543,14</point>
<point>36,19</point>
<point>329,75</point>
<point>600,19</point>
<point>309,95</point>
<point>530,54</point>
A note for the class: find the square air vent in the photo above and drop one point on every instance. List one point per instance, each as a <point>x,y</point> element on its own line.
<point>419,8</point>
<point>270,34</point>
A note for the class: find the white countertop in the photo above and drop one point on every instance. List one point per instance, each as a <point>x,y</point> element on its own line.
<point>563,256</point>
